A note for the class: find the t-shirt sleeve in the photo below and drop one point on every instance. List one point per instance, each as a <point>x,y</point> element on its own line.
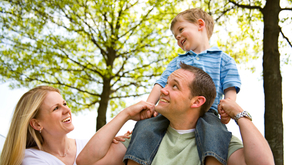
<point>80,144</point>
<point>32,158</point>
<point>171,67</point>
<point>234,145</point>
<point>229,74</point>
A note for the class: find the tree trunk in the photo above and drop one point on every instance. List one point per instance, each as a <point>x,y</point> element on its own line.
<point>273,80</point>
<point>103,104</point>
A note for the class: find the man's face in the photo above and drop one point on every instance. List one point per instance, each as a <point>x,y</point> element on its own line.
<point>175,96</point>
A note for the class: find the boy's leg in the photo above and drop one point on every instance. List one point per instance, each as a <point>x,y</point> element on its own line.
<point>145,140</point>
<point>212,137</point>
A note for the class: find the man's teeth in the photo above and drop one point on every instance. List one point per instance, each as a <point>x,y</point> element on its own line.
<point>164,100</point>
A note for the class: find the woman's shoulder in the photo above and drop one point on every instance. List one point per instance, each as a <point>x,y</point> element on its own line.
<point>81,142</point>
<point>36,156</point>
<point>33,156</point>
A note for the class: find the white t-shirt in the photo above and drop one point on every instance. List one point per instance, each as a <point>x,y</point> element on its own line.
<point>35,156</point>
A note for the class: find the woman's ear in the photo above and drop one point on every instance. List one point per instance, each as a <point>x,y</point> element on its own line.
<point>35,124</point>
<point>198,101</point>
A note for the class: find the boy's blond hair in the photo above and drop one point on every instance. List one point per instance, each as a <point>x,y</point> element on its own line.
<point>192,15</point>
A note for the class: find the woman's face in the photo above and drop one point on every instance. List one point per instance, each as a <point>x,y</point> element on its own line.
<point>55,116</point>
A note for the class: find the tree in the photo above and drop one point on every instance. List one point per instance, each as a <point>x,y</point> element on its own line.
<point>246,14</point>
<point>97,52</point>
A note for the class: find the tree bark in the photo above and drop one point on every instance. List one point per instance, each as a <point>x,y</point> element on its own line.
<point>103,104</point>
<point>273,80</point>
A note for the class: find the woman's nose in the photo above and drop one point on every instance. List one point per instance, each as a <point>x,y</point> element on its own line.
<point>66,109</point>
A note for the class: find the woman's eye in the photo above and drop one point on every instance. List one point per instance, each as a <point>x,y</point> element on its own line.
<point>56,108</point>
<point>65,104</point>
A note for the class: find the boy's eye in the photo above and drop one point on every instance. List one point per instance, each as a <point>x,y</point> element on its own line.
<point>180,30</point>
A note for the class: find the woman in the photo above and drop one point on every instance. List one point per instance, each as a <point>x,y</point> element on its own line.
<point>39,127</point>
<point>38,130</point>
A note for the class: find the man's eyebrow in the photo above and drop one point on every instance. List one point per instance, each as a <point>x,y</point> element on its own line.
<point>176,81</point>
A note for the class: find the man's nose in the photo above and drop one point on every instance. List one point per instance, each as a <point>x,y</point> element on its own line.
<point>164,91</point>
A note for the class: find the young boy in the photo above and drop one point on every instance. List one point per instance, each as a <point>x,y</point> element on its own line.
<point>192,29</point>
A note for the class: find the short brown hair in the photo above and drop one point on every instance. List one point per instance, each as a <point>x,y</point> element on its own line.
<point>192,15</point>
<point>202,85</point>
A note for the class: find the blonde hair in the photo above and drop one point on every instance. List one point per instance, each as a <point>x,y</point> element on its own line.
<point>21,135</point>
<point>192,15</point>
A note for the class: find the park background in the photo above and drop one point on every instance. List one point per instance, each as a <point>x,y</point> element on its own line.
<point>250,98</point>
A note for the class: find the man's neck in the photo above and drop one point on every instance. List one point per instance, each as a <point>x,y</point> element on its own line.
<point>183,123</point>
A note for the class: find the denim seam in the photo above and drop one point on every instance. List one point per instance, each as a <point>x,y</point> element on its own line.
<point>134,158</point>
<point>220,159</point>
<point>156,148</point>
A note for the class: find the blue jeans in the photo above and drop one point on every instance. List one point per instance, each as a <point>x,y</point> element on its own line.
<point>212,138</point>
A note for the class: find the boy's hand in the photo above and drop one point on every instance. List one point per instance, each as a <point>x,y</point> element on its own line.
<point>225,118</point>
<point>229,107</point>
<point>144,113</point>
<point>122,137</point>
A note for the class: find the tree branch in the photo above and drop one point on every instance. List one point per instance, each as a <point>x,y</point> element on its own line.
<point>246,6</point>
<point>289,9</point>
<point>136,95</point>
<point>286,38</point>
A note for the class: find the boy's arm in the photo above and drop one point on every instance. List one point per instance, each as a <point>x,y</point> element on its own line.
<point>100,149</point>
<point>255,149</point>
<point>154,94</point>
<point>229,93</point>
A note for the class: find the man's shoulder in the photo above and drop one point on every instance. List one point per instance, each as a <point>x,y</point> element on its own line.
<point>234,145</point>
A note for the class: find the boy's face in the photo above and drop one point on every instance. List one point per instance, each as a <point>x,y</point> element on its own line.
<point>188,35</point>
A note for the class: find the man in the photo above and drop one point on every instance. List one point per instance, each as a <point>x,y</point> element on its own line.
<point>189,93</point>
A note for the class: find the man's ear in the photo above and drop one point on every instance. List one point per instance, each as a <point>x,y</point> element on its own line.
<point>34,123</point>
<point>198,101</point>
<point>201,24</point>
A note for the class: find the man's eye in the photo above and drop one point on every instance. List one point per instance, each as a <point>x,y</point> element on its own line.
<point>174,86</point>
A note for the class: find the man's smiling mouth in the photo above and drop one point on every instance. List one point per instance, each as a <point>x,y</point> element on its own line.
<point>163,100</point>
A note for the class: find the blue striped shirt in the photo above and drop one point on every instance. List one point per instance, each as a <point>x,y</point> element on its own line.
<point>220,66</point>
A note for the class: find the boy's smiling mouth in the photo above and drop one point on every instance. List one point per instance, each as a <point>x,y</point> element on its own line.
<point>183,41</point>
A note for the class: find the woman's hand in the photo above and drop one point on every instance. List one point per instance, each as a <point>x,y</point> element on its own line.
<point>122,137</point>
